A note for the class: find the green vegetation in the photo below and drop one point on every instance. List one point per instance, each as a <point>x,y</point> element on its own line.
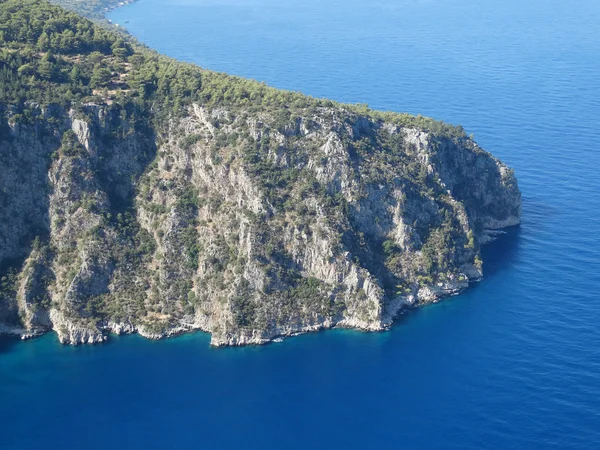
<point>8,284</point>
<point>50,56</point>
<point>178,192</point>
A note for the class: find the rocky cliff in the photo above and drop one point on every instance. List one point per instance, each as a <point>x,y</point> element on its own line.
<point>246,222</point>
<point>235,225</point>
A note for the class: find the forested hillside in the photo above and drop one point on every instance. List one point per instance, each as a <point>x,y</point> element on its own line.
<point>144,194</point>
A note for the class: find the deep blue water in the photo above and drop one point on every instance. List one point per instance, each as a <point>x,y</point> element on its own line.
<point>512,363</point>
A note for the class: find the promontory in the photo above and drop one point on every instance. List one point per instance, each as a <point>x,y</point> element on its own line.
<point>142,194</point>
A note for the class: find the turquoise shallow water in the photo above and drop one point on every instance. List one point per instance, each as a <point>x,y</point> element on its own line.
<point>512,363</point>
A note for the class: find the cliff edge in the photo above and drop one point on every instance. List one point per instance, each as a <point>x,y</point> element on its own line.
<point>144,195</point>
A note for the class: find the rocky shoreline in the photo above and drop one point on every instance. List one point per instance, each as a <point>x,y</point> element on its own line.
<point>70,333</point>
<point>318,252</point>
<point>182,199</point>
<point>366,306</point>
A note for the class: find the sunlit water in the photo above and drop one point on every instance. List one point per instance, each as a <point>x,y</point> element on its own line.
<point>512,363</point>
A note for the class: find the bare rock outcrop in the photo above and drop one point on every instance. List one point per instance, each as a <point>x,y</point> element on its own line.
<point>237,224</point>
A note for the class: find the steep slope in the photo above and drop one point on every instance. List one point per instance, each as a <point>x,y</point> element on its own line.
<point>142,194</point>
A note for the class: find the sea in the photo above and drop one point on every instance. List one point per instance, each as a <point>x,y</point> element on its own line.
<point>513,363</point>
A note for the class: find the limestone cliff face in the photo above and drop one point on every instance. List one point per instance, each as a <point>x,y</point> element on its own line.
<point>241,224</point>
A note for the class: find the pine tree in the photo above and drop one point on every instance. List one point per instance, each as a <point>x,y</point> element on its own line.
<point>101,76</point>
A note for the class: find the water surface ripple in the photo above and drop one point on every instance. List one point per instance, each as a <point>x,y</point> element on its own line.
<point>512,363</point>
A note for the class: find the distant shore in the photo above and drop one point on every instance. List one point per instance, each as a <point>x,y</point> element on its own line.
<point>113,6</point>
<point>109,5</point>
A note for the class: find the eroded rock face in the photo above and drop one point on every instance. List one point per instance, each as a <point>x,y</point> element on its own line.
<point>236,223</point>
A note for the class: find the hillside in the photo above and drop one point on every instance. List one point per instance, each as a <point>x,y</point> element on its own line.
<point>141,194</point>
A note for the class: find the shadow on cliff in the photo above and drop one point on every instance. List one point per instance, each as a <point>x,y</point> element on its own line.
<point>25,158</point>
<point>126,147</point>
<point>497,256</point>
<point>502,252</point>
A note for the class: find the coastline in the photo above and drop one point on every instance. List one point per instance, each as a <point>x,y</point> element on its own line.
<point>98,13</point>
<point>112,7</point>
<point>77,330</point>
<point>70,333</point>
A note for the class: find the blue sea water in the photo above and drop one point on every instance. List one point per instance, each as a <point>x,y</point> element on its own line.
<point>512,363</point>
